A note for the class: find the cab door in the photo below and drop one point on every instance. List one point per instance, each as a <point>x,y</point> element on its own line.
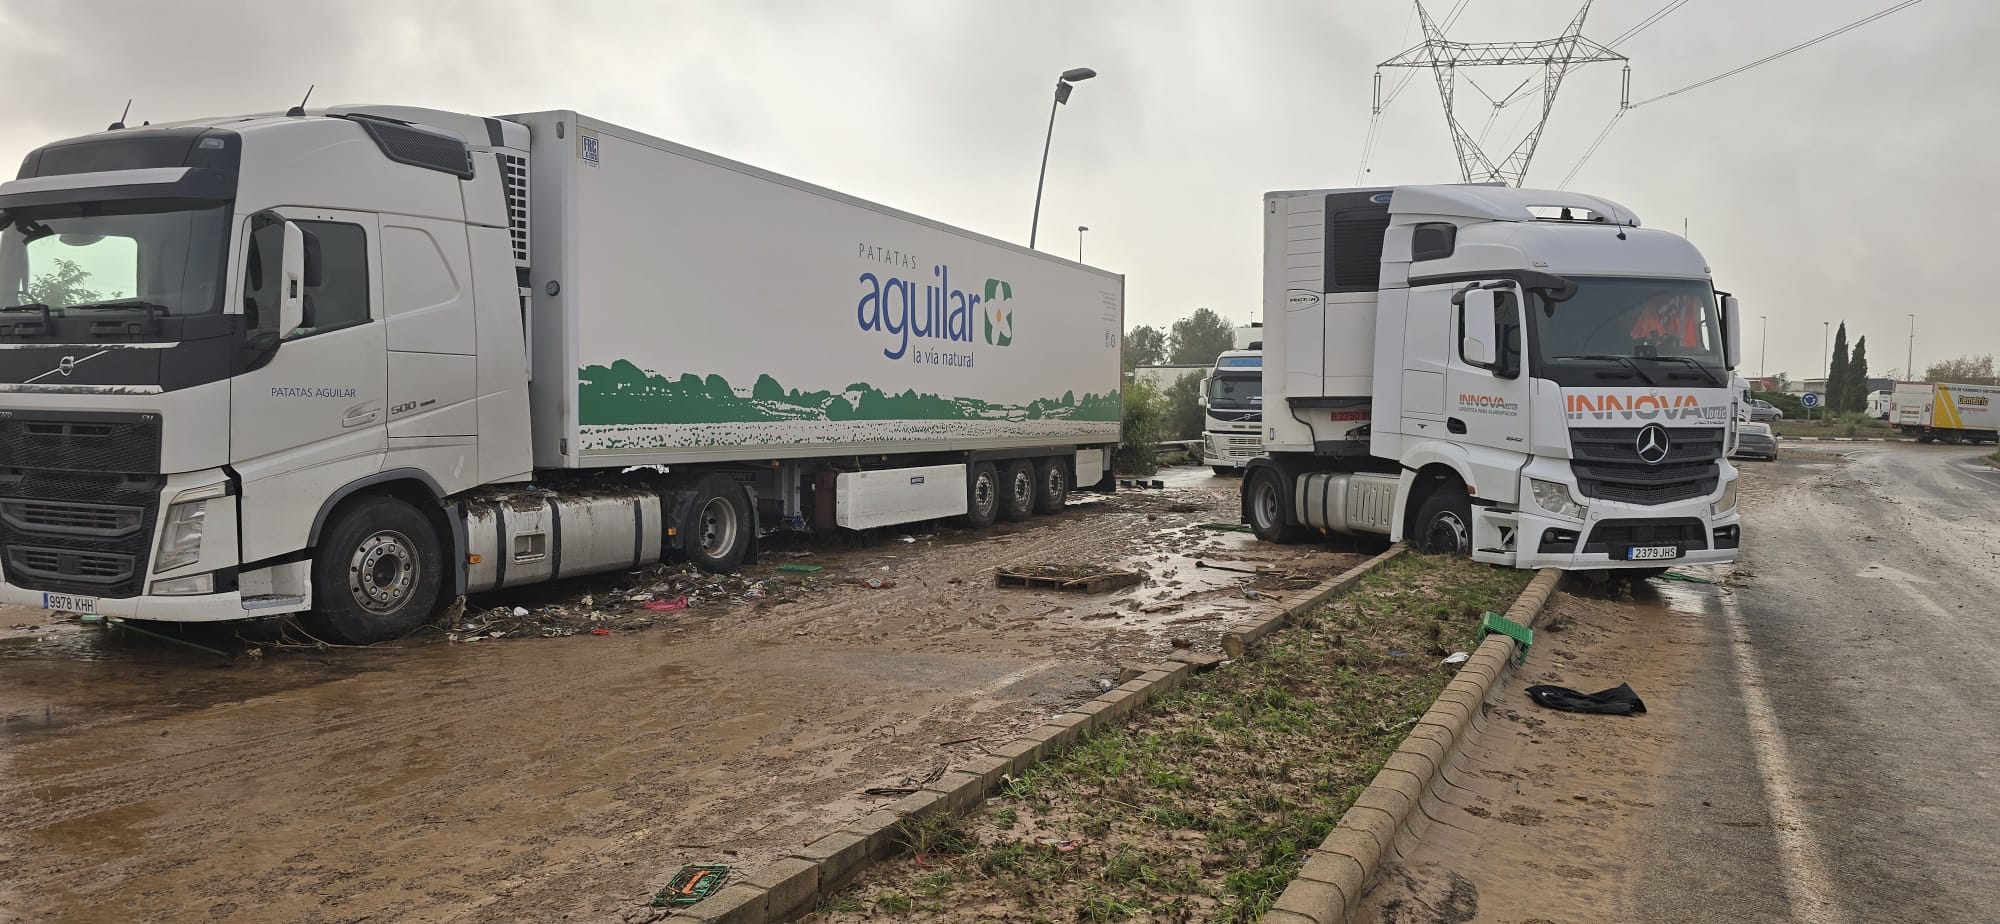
<point>311,416</point>
<point>1486,392</point>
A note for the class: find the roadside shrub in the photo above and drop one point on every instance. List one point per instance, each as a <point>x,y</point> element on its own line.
<point>1853,422</point>
<point>1787,403</point>
<point>1144,426</point>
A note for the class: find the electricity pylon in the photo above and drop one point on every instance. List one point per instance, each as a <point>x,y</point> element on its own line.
<point>1557,57</point>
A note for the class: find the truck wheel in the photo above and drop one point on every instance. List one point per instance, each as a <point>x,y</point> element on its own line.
<point>715,528</point>
<point>1444,523</point>
<point>982,495</point>
<point>1267,499</point>
<point>1017,490</point>
<point>1051,486</point>
<point>376,573</point>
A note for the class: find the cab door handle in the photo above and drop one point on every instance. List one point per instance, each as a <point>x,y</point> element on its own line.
<point>361,415</point>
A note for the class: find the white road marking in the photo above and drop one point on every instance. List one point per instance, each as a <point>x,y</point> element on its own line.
<point>1910,588</point>
<point>1802,864</point>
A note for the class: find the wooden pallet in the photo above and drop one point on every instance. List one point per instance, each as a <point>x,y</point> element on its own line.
<point>1089,584</point>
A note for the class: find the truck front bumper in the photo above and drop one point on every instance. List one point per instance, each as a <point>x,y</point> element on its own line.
<point>1609,530</point>
<point>216,607</point>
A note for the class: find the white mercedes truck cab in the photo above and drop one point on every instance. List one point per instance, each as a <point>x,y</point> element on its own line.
<point>353,362</point>
<point>1525,376</point>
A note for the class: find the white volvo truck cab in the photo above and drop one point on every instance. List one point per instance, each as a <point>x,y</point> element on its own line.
<point>1524,376</point>
<point>1232,410</point>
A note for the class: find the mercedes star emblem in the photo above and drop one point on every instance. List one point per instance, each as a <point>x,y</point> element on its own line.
<point>1652,444</point>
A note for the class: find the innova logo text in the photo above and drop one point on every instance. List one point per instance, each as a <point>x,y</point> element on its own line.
<point>1640,407</point>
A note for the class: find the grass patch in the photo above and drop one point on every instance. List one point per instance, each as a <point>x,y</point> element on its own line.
<point>1203,805</point>
<point>1844,425</point>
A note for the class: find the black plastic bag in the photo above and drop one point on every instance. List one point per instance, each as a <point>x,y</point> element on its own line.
<point>1619,700</point>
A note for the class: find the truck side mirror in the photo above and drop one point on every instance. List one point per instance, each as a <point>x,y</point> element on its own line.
<point>1732,337</point>
<point>292,282</point>
<point>1476,328</point>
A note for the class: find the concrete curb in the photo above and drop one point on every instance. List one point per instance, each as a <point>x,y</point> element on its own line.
<point>795,884</point>
<point>1848,439</point>
<point>1399,805</point>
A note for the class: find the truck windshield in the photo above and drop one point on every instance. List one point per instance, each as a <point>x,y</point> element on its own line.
<point>1237,392</point>
<point>1656,330</point>
<point>154,256</point>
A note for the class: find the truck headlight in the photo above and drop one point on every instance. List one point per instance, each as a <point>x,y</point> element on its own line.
<point>180,540</point>
<point>1725,503</point>
<point>1554,497</point>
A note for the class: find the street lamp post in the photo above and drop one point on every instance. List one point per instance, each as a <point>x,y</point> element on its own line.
<point>1079,241</point>
<point>1825,362</point>
<point>1763,346</point>
<point>1910,361</point>
<point>1064,84</point>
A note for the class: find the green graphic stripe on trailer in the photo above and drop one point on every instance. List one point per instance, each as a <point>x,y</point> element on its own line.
<point>622,394</point>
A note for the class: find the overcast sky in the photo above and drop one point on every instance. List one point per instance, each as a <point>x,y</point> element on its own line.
<point>1843,182</point>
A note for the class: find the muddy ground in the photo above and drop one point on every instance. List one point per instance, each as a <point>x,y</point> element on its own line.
<point>534,778</point>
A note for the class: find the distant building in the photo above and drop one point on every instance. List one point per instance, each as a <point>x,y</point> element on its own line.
<point>1163,377</point>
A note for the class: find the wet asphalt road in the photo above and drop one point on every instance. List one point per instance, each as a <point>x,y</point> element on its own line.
<point>1821,743</point>
<point>1846,684</point>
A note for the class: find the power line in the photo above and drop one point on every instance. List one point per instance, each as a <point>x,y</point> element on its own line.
<point>1647,22</point>
<point>1906,4</point>
<point>1606,133</point>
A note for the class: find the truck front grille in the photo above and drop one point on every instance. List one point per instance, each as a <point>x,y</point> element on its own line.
<point>48,518</point>
<point>80,442</point>
<point>1607,465</point>
<point>86,571</point>
<point>77,532</point>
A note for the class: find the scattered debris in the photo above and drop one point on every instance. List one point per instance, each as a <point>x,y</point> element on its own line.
<point>876,583</point>
<point>1089,579</point>
<point>800,569</point>
<point>1687,578</point>
<point>1226,527</point>
<point>1203,564</point>
<point>1456,657</point>
<point>600,630</point>
<point>666,606</point>
<point>692,884</point>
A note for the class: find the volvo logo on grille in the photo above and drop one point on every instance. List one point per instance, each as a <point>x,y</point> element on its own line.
<point>1652,444</point>
<point>67,365</point>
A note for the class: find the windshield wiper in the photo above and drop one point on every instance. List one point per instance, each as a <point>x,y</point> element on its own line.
<point>130,304</point>
<point>1710,376</point>
<point>1625,361</point>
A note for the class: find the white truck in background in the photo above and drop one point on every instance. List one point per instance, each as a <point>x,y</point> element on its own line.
<point>1525,376</point>
<point>353,362</point>
<point>1944,412</point>
<point>1233,409</point>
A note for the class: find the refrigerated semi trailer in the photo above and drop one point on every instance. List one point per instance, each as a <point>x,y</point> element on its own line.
<point>352,362</point>
<point>1940,411</point>
<point>1524,376</point>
